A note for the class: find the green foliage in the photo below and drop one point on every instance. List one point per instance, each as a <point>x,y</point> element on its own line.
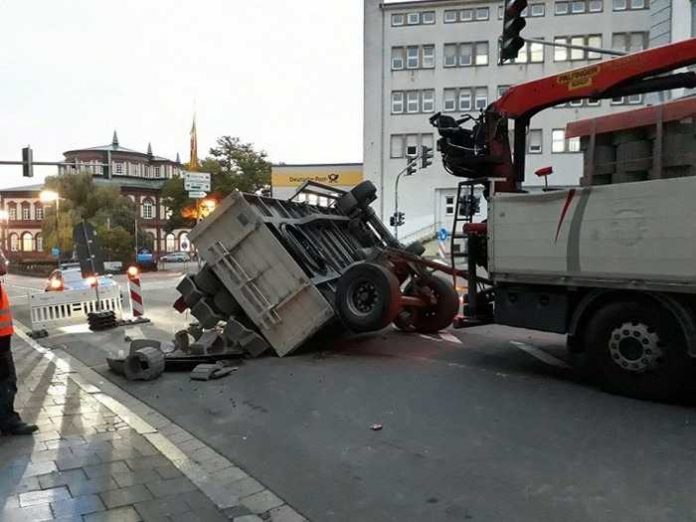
<point>103,206</point>
<point>117,243</point>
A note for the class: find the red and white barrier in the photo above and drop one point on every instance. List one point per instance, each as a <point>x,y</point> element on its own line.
<point>136,292</point>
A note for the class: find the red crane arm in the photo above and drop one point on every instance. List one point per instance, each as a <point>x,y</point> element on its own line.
<point>593,81</point>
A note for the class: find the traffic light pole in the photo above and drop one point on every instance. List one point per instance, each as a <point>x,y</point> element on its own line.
<point>597,50</point>
<point>411,164</point>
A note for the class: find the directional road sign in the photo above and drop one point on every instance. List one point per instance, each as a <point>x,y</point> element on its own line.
<point>197,194</point>
<point>197,181</point>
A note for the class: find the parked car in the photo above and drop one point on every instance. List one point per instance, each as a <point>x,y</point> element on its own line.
<point>69,277</point>
<point>176,257</point>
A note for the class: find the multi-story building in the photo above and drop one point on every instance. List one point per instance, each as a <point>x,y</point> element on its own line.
<point>422,57</point>
<point>139,175</point>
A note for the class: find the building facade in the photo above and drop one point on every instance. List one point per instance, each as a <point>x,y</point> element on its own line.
<point>140,176</point>
<point>421,57</point>
<point>286,179</point>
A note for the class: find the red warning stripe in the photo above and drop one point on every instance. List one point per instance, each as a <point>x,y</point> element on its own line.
<point>566,205</point>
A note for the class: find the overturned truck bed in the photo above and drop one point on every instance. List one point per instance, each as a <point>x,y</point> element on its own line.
<point>286,269</point>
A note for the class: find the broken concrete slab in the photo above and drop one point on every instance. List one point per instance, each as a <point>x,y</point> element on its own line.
<point>207,372</point>
<point>145,364</point>
<point>210,342</point>
<point>138,344</point>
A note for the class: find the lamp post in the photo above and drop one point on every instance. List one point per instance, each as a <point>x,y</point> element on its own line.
<point>4,220</point>
<point>47,197</point>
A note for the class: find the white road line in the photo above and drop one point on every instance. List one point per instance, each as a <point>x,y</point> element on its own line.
<point>451,338</point>
<point>33,290</point>
<point>540,354</point>
<point>430,338</point>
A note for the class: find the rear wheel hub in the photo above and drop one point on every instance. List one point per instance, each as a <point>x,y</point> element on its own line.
<point>636,347</point>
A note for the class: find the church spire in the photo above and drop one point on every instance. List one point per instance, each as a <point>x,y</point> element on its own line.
<point>149,149</point>
<point>114,140</point>
<point>178,158</point>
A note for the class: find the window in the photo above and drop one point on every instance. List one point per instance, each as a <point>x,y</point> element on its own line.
<point>428,56</point>
<point>451,17</point>
<point>561,8</point>
<point>412,58</point>
<point>562,54</point>
<point>629,42</point>
<point>413,18</point>
<point>449,98</point>
<point>629,5</point>
<point>450,55</point>
<point>397,102</point>
<point>427,140</point>
<point>397,19</point>
<point>147,209</point>
<point>38,212</point>
<point>465,54</point>
<point>428,17</point>
<point>536,10</point>
<point>577,7</point>
<point>481,98</point>
<point>634,99</point>
<point>464,100</point>
<point>397,59</point>
<point>412,102</point>
<point>481,53</point>
<point>39,242</point>
<point>559,143</point>
<point>530,52</point>
<point>502,89</point>
<point>14,242</point>
<point>482,13</point>
<point>564,7</point>
<point>534,141</point>
<point>428,101</point>
<point>412,144</point>
<point>157,172</point>
<point>27,242</point>
<point>12,212</point>
<point>595,6</point>
<point>397,146</point>
<point>169,243</point>
<point>449,205</point>
<point>26,212</point>
<point>119,168</point>
<point>466,15</point>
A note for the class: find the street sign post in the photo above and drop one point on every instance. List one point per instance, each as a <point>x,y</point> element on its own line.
<point>196,194</point>
<point>197,181</point>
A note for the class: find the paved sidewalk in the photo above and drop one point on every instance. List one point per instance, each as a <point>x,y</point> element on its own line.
<point>100,455</point>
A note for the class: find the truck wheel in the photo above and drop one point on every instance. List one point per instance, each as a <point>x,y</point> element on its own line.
<point>364,192</point>
<point>637,348</point>
<point>368,297</point>
<point>440,315</point>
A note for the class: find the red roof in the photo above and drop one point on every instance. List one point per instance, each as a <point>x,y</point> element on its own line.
<point>671,111</point>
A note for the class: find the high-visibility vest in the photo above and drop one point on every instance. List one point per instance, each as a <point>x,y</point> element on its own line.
<point>6,327</point>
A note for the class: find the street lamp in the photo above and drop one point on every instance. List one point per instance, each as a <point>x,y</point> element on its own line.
<point>4,219</point>
<point>47,197</point>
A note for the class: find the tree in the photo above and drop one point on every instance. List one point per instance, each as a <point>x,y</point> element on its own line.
<point>82,199</point>
<point>232,165</point>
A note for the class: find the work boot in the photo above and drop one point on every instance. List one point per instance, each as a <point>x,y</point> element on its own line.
<point>19,428</point>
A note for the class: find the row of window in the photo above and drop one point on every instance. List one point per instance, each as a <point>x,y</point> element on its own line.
<point>468,99</point>
<point>24,212</point>
<point>480,14</point>
<point>26,242</point>
<point>402,145</point>
<point>128,169</point>
<point>472,54</point>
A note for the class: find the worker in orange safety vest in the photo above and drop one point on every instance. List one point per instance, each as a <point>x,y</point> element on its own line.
<point>10,422</point>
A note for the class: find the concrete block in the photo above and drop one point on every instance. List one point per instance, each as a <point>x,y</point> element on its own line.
<point>226,304</point>
<point>210,342</point>
<point>189,291</point>
<point>139,344</point>
<point>254,344</point>
<point>205,314</point>
<point>206,281</point>
<point>145,364</point>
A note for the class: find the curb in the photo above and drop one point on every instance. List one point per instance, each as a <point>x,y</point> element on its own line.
<point>231,489</point>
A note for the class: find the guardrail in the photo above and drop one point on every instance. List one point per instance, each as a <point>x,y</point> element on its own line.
<point>49,310</point>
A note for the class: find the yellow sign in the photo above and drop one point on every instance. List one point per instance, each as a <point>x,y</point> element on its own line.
<point>340,178</point>
<point>580,78</point>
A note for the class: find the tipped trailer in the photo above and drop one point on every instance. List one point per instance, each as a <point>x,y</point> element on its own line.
<point>288,269</point>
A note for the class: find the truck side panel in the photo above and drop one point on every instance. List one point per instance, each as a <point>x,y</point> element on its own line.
<point>632,235</point>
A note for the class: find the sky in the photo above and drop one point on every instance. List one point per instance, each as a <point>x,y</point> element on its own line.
<point>284,75</point>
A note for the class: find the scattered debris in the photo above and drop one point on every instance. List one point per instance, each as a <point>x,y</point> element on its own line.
<point>376,427</point>
<point>209,343</point>
<point>207,372</point>
<point>99,321</point>
<point>144,364</point>
<point>182,341</point>
<point>139,344</point>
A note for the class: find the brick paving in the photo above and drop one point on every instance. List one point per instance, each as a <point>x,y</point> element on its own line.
<point>95,460</point>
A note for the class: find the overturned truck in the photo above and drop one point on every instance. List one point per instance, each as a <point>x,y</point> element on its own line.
<point>286,269</point>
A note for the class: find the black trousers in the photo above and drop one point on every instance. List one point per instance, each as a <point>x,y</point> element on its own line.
<point>8,384</point>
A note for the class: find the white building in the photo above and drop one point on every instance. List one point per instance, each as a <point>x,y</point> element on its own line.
<point>441,55</point>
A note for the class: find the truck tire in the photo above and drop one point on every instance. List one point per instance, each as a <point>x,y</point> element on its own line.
<point>368,297</point>
<point>638,349</point>
<point>206,281</point>
<point>436,317</point>
<point>364,193</point>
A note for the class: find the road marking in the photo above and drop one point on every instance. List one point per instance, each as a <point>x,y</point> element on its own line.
<point>451,338</point>
<point>430,338</point>
<point>540,354</point>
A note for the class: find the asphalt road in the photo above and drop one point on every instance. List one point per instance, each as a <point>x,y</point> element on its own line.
<point>475,427</point>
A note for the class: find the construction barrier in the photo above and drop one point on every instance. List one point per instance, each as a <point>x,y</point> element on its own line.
<point>136,292</point>
<point>50,310</point>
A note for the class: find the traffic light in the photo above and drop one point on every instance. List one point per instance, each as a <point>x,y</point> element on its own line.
<point>513,23</point>
<point>397,219</point>
<point>410,166</point>
<point>27,162</point>
<point>426,156</point>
